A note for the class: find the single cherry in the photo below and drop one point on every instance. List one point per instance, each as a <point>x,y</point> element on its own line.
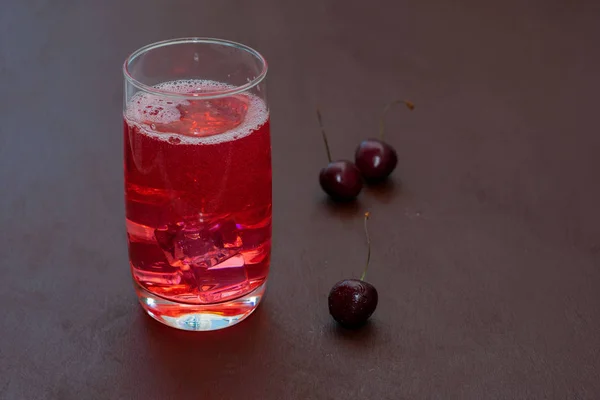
<point>375,158</point>
<point>340,179</point>
<point>353,301</point>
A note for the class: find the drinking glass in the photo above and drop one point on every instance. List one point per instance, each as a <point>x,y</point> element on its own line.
<point>197,160</point>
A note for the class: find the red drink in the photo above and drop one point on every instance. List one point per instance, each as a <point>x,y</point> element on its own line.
<point>198,194</point>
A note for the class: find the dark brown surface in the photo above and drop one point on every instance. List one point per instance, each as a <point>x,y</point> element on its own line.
<point>486,246</point>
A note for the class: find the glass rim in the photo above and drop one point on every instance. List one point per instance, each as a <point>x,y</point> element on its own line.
<point>212,94</point>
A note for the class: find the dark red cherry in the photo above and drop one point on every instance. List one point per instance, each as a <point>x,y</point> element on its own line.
<point>341,180</point>
<point>375,159</point>
<point>352,302</point>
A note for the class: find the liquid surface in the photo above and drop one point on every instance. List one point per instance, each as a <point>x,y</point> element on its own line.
<point>198,194</point>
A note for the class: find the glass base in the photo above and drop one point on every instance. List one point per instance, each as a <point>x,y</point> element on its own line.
<point>200,317</point>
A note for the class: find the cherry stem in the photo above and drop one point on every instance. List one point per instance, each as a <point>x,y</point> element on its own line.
<point>320,118</point>
<point>364,274</point>
<point>409,105</point>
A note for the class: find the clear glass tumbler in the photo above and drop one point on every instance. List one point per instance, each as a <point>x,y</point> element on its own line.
<point>197,180</point>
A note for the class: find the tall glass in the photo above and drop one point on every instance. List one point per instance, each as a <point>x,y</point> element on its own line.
<point>197,180</point>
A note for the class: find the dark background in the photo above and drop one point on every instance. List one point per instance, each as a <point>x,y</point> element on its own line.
<point>486,245</point>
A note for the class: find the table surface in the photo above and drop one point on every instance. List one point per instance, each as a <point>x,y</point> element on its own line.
<point>486,243</point>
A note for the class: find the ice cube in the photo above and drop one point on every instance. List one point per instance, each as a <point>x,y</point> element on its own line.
<point>196,245</point>
<point>222,280</point>
<point>157,278</point>
<point>227,234</point>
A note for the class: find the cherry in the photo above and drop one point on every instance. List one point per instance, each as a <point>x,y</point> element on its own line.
<point>340,179</point>
<point>375,158</point>
<point>353,301</point>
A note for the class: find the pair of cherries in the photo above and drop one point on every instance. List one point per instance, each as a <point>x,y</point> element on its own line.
<point>353,301</point>
<point>374,161</point>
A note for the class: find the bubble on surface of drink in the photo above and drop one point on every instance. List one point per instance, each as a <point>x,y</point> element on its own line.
<point>196,121</point>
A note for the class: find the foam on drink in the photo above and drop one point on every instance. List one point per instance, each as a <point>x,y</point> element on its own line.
<point>149,111</point>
